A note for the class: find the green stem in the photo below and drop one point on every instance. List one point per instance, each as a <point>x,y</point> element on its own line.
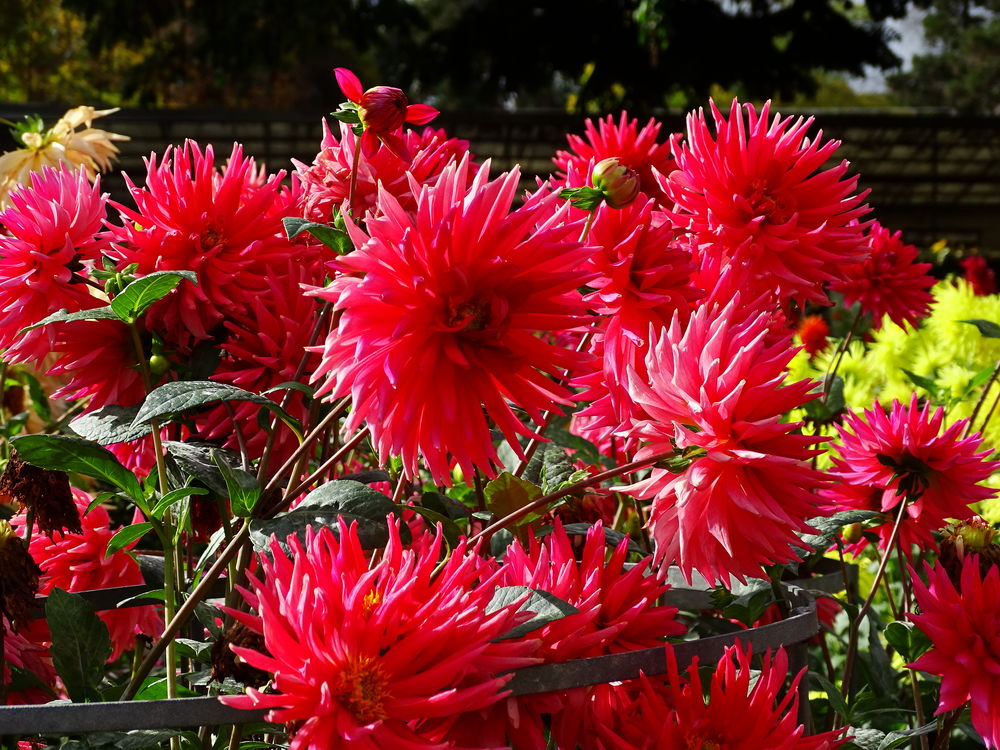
<point>982,398</point>
<point>831,371</point>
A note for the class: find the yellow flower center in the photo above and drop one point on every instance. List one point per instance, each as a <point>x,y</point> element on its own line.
<point>363,689</point>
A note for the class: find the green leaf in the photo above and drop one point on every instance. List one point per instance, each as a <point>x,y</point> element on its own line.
<point>64,316</point>
<point>137,297</point>
<point>922,382</point>
<point>587,198</point>
<point>126,535</point>
<point>371,534</point>
<point>194,459</point>
<point>898,739</point>
<point>556,469</point>
<point>14,424</point>
<point>449,528</point>
<point>242,487</point>
<point>981,377</point>
<point>354,498</point>
<point>174,496</point>
<point>80,644</point>
<point>333,238</point>
<point>72,454</point>
<point>864,739</point>
<point>836,700</point>
<point>987,328</point>
<point>39,400</point>
<point>508,493</point>
<point>829,526</point>
<point>897,635</point>
<point>546,608</point>
<point>110,424</point>
<point>182,395</point>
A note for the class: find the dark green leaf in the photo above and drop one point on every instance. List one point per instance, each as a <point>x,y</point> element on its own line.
<point>72,454</point>
<point>557,467</point>
<point>922,382</point>
<point>508,493</point>
<point>829,526</point>
<point>174,496</point>
<point>14,424</point>
<point>546,608</point>
<point>194,459</point>
<point>354,498</point>
<point>987,328</point>
<point>39,401</point>
<point>897,635</point>
<point>864,739</point>
<point>80,644</point>
<point>836,700</point>
<point>137,297</point>
<point>63,316</point>
<point>371,534</point>
<point>444,505</point>
<point>242,487</point>
<point>333,238</point>
<point>499,543</point>
<point>584,448</point>
<point>126,535</point>
<point>452,533</point>
<point>291,385</point>
<point>611,537</point>
<point>182,395</point>
<point>110,424</point>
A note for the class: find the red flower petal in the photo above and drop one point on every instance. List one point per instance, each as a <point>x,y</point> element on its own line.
<point>395,145</point>
<point>420,114</point>
<point>349,84</point>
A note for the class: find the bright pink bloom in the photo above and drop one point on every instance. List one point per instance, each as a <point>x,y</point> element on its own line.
<point>964,627</point>
<point>264,350</point>
<point>383,111</point>
<point>635,148</point>
<point>326,183</point>
<point>889,281</point>
<point>53,225</point>
<point>441,312</point>
<point>756,197</point>
<point>979,274</point>
<point>717,388</point>
<point>77,562</point>
<point>906,455</point>
<point>223,224</point>
<point>20,653</point>
<point>365,653</point>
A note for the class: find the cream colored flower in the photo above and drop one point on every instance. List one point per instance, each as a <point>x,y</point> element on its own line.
<point>91,148</point>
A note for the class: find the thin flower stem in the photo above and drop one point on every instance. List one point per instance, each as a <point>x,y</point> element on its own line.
<point>301,487</point>
<point>307,442</point>
<point>918,706</point>
<point>586,227</point>
<point>175,623</point>
<point>545,500</point>
<point>240,437</point>
<point>989,414</point>
<point>852,644</point>
<point>354,175</point>
<point>982,398</point>
<point>831,371</point>
<point>943,739</point>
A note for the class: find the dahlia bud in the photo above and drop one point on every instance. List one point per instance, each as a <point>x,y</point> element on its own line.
<point>962,538</point>
<point>18,576</point>
<point>47,493</point>
<point>382,109</point>
<point>618,183</point>
<point>852,533</point>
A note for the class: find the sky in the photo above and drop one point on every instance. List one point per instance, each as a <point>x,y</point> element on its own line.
<point>910,31</point>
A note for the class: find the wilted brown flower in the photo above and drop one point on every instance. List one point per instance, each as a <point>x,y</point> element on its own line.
<point>225,663</point>
<point>18,576</point>
<point>47,493</point>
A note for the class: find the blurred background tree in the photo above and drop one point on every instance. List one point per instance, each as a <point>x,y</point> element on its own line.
<point>592,54</point>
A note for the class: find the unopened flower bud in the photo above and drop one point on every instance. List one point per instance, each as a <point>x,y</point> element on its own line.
<point>852,533</point>
<point>158,364</point>
<point>382,109</point>
<point>618,183</point>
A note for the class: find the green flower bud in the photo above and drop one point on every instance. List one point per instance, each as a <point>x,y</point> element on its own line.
<point>618,183</point>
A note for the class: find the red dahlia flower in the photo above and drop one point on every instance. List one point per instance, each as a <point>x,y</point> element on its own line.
<point>963,624</point>
<point>441,315</point>
<point>979,274</point>
<point>889,281</point>
<point>716,388</point>
<point>363,654</point>
<point>756,197</point>
<point>906,456</point>
<point>813,331</point>
<point>21,653</point>
<point>382,110</point>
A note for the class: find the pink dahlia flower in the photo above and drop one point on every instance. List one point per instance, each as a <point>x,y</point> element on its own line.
<point>905,455</point>
<point>889,281</point>
<point>964,628</point>
<point>23,654</point>
<point>223,224</point>
<point>53,225</point>
<point>755,196</point>
<point>326,182</point>
<point>716,387</point>
<point>441,312</point>
<point>634,147</point>
<point>77,562</point>
<point>364,653</point>
<point>264,349</point>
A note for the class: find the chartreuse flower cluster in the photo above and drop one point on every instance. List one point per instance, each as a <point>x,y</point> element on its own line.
<point>439,431</point>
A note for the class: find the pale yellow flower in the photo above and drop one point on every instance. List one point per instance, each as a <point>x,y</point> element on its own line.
<point>91,148</point>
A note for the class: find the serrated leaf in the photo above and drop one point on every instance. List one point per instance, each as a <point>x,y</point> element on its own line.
<point>136,298</point>
<point>80,644</point>
<point>333,238</point>
<point>194,459</point>
<point>987,328</point>
<point>242,487</point>
<point>354,498</point>
<point>64,316</point>
<point>371,534</point>
<point>181,395</point>
<point>126,535</point>
<point>545,606</point>
<point>72,454</point>
<point>508,493</point>
<point>898,739</point>
<point>110,424</point>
